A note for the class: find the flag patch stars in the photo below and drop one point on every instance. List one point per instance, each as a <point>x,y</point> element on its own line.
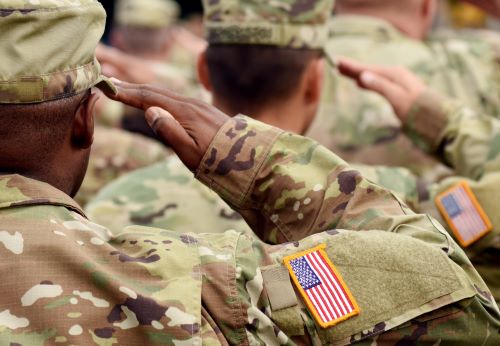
<point>326,294</point>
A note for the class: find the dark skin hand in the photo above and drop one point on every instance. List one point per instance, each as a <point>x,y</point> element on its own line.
<point>185,124</point>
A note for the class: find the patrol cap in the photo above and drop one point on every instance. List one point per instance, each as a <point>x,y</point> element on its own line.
<point>155,14</point>
<point>284,23</point>
<point>47,49</point>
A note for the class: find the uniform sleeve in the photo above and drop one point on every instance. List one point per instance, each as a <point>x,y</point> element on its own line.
<point>288,187</point>
<point>464,139</point>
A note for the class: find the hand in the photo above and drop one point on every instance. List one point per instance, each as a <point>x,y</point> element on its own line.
<point>185,124</point>
<point>125,67</point>
<point>398,85</point>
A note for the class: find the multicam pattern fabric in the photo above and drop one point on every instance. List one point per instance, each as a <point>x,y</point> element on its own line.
<point>115,153</point>
<point>361,126</point>
<point>469,142</point>
<point>288,23</point>
<point>146,13</point>
<point>157,287</point>
<point>49,71</point>
<point>138,198</point>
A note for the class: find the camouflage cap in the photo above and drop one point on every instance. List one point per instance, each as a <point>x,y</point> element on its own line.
<point>284,23</point>
<point>146,13</point>
<point>47,49</point>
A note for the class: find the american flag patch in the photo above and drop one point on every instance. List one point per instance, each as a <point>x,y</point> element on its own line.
<point>464,214</point>
<point>321,286</point>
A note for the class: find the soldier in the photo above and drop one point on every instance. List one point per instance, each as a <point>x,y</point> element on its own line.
<point>283,90</point>
<point>68,281</point>
<point>266,91</point>
<point>360,126</point>
<point>269,81</point>
<point>467,141</point>
<point>150,48</point>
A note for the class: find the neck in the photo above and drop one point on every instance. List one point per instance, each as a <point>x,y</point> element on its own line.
<point>288,116</point>
<point>41,176</point>
<point>404,22</point>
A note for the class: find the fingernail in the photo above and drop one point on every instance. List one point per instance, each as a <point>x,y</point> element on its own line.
<point>153,114</point>
<point>367,78</point>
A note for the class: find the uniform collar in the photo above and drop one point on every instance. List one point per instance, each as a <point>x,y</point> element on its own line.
<point>363,25</point>
<point>17,191</point>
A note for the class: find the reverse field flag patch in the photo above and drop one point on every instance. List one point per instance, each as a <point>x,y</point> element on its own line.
<point>326,294</point>
<point>464,214</point>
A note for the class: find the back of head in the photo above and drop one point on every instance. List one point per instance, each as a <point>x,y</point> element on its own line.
<point>47,70</point>
<point>141,26</point>
<point>258,50</point>
<point>252,77</point>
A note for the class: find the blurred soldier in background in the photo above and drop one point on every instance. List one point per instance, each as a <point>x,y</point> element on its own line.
<point>146,31</point>
<point>116,152</point>
<point>150,48</point>
<point>466,140</point>
<point>360,125</point>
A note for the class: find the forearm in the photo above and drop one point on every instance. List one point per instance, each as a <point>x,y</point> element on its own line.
<point>464,139</point>
<point>288,187</point>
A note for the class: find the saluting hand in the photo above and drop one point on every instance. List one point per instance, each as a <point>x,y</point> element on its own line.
<point>185,124</point>
<point>397,84</point>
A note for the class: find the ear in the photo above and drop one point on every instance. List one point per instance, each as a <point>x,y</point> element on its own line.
<point>313,79</point>
<point>83,125</point>
<point>203,73</point>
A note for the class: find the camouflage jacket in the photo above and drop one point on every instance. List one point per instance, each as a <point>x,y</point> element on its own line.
<point>470,143</point>
<point>361,126</point>
<point>138,199</point>
<point>115,153</point>
<point>69,281</point>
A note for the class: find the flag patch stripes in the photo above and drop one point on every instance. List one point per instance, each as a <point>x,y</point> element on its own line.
<point>464,214</point>
<point>326,294</point>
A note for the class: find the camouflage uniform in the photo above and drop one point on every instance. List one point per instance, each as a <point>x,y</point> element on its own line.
<point>470,143</point>
<point>66,280</point>
<point>115,153</point>
<point>143,286</point>
<point>361,127</point>
<point>138,199</point>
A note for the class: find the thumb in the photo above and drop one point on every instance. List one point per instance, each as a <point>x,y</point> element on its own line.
<point>171,133</point>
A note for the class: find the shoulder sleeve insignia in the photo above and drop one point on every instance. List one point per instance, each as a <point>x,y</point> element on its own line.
<point>464,214</point>
<point>326,294</point>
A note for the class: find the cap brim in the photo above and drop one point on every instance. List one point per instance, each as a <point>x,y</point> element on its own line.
<point>104,84</point>
<point>330,58</point>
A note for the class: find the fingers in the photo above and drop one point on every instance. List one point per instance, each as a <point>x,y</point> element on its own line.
<point>140,96</point>
<point>168,129</point>
<point>350,68</point>
<point>151,89</point>
<point>395,94</point>
<point>371,78</point>
<point>353,69</point>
